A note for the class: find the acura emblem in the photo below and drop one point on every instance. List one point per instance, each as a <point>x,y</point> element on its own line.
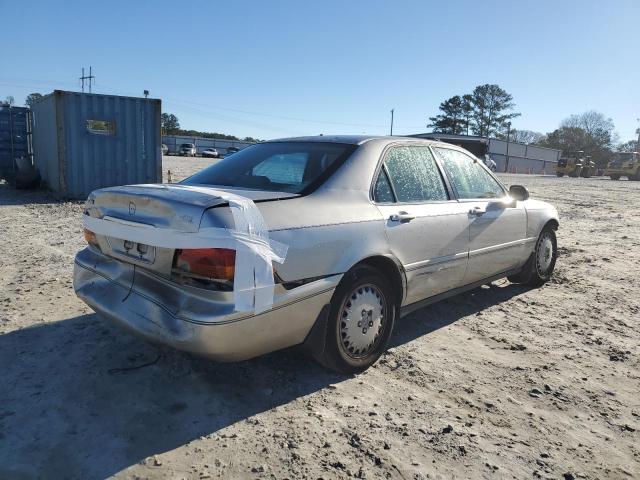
<point>132,208</point>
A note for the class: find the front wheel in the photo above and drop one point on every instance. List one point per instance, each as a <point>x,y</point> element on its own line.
<point>360,322</point>
<point>615,177</point>
<point>560,174</point>
<point>539,267</point>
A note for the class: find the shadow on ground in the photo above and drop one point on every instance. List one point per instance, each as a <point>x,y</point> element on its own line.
<point>69,408</point>
<point>9,195</point>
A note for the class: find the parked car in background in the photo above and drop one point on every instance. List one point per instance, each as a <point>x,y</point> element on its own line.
<point>210,152</point>
<point>165,149</point>
<point>376,227</point>
<point>187,150</point>
<point>231,150</point>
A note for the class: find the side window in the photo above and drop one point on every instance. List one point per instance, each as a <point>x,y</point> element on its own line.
<point>467,175</point>
<point>415,175</point>
<point>382,192</point>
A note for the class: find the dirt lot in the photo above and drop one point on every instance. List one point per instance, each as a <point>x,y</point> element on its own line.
<point>502,382</point>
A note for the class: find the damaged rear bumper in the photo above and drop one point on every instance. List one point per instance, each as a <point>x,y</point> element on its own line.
<point>195,320</point>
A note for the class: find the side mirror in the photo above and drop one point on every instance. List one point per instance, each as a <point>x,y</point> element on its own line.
<point>519,192</point>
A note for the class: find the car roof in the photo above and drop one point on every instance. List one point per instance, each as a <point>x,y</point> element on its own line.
<point>352,139</point>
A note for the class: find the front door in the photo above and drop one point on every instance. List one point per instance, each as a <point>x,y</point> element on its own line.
<point>497,224</point>
<point>428,232</point>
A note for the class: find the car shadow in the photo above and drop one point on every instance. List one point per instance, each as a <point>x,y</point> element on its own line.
<point>81,398</point>
<point>441,314</point>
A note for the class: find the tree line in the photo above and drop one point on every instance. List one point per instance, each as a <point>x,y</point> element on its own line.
<point>488,111</point>
<point>170,125</point>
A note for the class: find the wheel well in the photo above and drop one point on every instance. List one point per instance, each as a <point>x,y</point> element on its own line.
<point>553,223</point>
<point>391,270</point>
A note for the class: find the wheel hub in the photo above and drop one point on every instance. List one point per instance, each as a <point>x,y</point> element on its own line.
<point>362,319</point>
<point>545,253</point>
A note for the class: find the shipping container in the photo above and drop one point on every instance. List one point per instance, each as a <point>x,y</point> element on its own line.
<point>15,139</point>
<point>86,141</point>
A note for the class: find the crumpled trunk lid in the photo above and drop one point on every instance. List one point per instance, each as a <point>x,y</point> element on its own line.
<point>176,207</point>
<point>179,207</point>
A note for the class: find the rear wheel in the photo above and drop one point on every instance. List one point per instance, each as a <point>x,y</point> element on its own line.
<point>615,177</point>
<point>559,174</point>
<point>539,267</point>
<point>361,320</point>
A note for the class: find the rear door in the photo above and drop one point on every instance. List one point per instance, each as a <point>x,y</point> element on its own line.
<point>427,230</point>
<point>497,225</point>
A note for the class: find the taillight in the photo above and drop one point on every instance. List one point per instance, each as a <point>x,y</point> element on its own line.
<point>213,263</point>
<point>90,238</point>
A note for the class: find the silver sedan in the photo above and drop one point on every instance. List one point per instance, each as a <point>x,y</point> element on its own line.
<point>367,229</point>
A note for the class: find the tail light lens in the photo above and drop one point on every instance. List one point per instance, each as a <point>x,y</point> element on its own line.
<point>90,238</point>
<point>212,263</point>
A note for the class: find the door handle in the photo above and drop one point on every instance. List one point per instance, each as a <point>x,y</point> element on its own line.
<point>401,217</point>
<point>477,211</point>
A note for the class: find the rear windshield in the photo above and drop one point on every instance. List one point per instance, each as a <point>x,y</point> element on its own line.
<point>293,167</point>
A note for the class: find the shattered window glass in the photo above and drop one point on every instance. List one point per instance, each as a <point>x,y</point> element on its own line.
<point>467,175</point>
<point>415,175</point>
<point>383,193</point>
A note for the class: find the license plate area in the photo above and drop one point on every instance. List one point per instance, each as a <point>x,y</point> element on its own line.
<point>138,251</point>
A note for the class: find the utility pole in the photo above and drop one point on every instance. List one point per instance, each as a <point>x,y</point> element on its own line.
<point>391,132</point>
<point>638,146</point>
<point>90,79</point>
<point>506,164</point>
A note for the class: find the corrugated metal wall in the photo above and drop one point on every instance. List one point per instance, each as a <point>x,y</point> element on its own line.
<point>80,157</point>
<point>15,141</point>
<point>173,142</point>
<point>514,158</point>
<point>523,158</point>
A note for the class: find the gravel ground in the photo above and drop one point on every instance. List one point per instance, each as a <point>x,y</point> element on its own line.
<point>501,382</point>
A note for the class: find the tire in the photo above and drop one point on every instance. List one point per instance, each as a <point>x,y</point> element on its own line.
<point>362,295</point>
<point>560,174</point>
<point>615,177</point>
<point>539,268</point>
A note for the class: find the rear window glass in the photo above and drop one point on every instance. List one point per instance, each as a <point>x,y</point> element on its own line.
<point>279,166</point>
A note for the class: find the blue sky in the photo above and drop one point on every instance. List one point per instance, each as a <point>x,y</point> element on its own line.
<point>278,68</point>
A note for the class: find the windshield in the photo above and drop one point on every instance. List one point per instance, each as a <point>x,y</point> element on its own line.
<point>624,156</point>
<point>292,167</point>
<point>187,145</point>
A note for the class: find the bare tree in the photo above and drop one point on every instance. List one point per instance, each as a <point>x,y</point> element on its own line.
<point>526,136</point>
<point>594,124</point>
<point>591,132</point>
<point>630,146</point>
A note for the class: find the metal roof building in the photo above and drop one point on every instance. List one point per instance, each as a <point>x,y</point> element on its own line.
<point>510,157</point>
